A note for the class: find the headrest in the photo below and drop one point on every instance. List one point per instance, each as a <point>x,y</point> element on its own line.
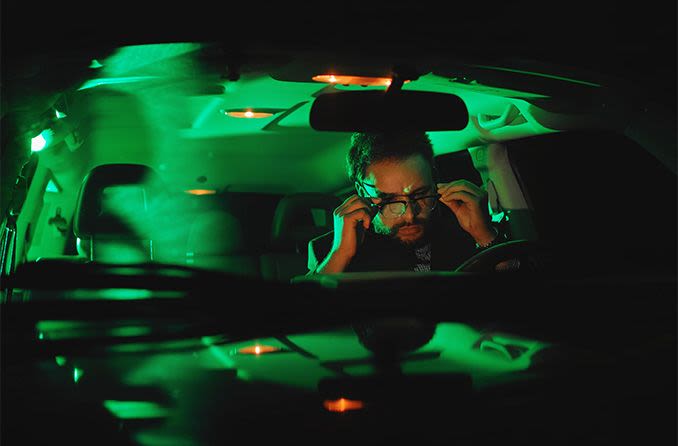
<point>116,201</point>
<point>301,217</point>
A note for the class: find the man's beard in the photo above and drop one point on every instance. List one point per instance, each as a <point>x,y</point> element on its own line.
<point>392,233</point>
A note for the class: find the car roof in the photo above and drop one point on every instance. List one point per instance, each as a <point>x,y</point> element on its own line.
<point>170,69</point>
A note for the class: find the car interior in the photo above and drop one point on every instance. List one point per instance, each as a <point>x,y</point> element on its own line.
<point>157,158</point>
<point>160,193</point>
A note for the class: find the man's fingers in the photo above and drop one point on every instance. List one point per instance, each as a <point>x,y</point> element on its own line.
<point>460,185</point>
<point>351,203</point>
<point>359,214</point>
<point>463,196</point>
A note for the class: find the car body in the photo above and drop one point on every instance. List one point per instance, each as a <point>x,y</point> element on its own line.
<point>155,287</point>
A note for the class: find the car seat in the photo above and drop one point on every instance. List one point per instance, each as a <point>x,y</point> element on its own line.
<point>298,219</point>
<point>113,219</point>
<point>215,242</point>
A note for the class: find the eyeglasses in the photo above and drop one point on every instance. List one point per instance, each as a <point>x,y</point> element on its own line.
<point>397,208</point>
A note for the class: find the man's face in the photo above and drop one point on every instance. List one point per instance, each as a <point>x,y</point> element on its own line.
<point>407,179</point>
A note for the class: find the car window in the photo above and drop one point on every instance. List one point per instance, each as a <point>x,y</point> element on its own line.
<point>600,193</point>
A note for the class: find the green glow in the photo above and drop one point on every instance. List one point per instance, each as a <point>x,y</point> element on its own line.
<point>136,347</point>
<point>41,336</point>
<point>455,343</point>
<point>219,354</point>
<point>59,114</point>
<point>532,73</point>
<point>41,141</point>
<point>497,216</point>
<point>128,410</point>
<point>52,187</point>
<point>95,64</point>
<point>282,368</point>
<point>134,58</point>
<point>124,294</point>
<point>149,437</point>
<point>60,360</point>
<point>77,374</point>
<point>130,331</point>
<point>119,294</point>
<point>114,81</point>
<point>68,329</point>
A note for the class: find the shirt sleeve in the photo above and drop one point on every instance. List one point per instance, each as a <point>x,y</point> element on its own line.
<point>312,264</point>
<point>318,249</point>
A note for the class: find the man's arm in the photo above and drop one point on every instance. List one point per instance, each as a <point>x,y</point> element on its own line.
<point>468,203</point>
<point>343,242</point>
<point>322,259</point>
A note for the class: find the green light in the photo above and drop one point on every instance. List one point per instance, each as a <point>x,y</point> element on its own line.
<point>41,336</point>
<point>220,356</point>
<point>126,410</point>
<point>130,331</point>
<point>124,294</point>
<point>115,81</point>
<point>60,360</point>
<point>95,64</point>
<point>41,141</point>
<point>59,114</point>
<point>52,187</point>
<point>77,374</point>
<point>497,216</point>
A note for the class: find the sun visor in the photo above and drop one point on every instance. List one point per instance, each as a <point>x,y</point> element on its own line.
<point>379,111</point>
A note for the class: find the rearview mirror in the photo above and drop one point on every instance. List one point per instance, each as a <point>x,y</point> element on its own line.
<point>379,111</point>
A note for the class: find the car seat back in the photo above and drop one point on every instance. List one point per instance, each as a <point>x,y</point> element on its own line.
<point>298,219</point>
<point>215,242</point>
<point>114,213</point>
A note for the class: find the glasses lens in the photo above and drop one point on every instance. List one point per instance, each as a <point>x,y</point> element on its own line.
<point>427,203</point>
<point>393,210</point>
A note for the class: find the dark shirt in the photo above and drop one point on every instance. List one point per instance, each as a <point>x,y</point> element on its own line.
<point>450,246</point>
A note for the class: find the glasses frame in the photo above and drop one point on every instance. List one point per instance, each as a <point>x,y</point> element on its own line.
<point>405,203</point>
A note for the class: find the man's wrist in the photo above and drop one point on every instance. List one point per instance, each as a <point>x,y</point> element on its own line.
<point>486,237</point>
<point>335,262</point>
<point>499,237</point>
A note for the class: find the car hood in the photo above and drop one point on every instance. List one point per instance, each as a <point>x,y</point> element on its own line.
<point>447,358</point>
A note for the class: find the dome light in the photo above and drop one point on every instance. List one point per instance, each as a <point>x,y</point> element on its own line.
<point>248,113</point>
<point>342,405</point>
<point>201,191</point>
<point>366,81</point>
<point>258,349</point>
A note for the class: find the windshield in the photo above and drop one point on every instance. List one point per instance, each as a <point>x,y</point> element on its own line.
<point>365,224</point>
<point>159,155</point>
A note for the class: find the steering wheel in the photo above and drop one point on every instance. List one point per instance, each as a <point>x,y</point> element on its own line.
<point>508,256</point>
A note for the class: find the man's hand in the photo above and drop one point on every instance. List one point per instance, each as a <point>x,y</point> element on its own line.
<point>351,219</point>
<point>349,216</point>
<point>467,201</point>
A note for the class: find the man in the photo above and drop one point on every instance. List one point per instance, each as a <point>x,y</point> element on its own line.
<point>400,219</point>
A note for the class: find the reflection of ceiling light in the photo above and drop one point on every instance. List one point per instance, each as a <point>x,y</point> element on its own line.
<point>77,374</point>
<point>342,405</point>
<point>201,191</point>
<point>257,350</point>
<point>129,410</point>
<point>354,80</point>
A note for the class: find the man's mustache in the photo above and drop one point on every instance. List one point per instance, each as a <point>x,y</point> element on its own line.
<point>420,222</point>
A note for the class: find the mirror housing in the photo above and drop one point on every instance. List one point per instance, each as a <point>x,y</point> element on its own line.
<point>383,111</point>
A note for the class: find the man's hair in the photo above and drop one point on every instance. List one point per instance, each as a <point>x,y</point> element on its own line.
<point>368,148</point>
